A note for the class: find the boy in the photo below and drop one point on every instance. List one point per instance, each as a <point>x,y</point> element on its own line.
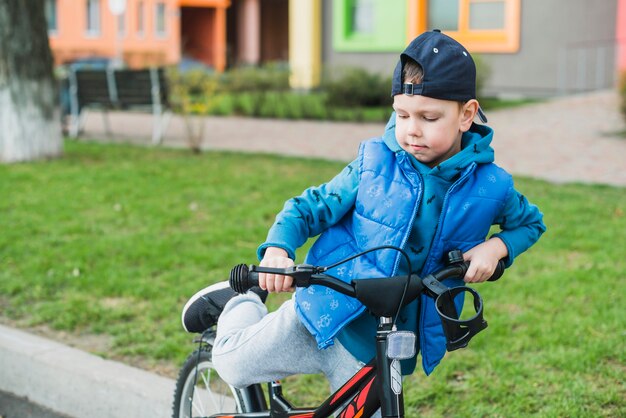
<point>428,185</point>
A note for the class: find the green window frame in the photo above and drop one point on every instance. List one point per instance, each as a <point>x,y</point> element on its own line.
<point>382,33</point>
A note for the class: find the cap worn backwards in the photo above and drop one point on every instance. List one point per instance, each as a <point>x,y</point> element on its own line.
<point>449,72</point>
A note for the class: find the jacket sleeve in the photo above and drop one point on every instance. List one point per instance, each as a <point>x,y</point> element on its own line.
<point>521,224</point>
<point>315,210</point>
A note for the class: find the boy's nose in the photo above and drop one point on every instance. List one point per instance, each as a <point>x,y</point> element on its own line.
<point>414,129</point>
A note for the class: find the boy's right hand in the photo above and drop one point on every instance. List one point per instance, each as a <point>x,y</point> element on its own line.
<point>278,258</point>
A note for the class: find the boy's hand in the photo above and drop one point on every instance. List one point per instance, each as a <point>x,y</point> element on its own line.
<point>484,259</point>
<point>276,257</point>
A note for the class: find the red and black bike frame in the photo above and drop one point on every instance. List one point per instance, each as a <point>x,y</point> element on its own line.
<point>360,397</point>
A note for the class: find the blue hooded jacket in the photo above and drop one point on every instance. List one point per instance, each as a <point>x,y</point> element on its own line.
<point>380,208</point>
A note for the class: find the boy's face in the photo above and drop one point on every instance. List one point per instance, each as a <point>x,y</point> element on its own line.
<point>430,129</point>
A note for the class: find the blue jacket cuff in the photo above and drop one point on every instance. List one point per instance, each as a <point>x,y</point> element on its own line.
<point>260,252</point>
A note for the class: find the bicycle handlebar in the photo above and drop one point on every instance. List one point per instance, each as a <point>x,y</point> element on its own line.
<point>244,277</point>
<point>385,296</point>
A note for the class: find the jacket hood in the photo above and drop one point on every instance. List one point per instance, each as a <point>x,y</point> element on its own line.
<point>475,148</point>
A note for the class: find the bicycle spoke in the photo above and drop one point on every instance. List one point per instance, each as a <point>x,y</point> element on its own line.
<point>199,409</point>
<point>205,393</point>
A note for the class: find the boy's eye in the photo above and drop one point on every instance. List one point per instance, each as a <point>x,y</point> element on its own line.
<point>403,116</point>
<point>429,119</point>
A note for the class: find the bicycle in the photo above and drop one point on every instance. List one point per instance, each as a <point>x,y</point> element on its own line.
<point>377,385</point>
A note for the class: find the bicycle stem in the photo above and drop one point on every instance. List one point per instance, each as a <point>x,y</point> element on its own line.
<point>390,382</point>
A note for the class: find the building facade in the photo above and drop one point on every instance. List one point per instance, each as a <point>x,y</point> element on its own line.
<point>533,48</point>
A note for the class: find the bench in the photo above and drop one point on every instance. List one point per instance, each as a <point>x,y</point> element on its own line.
<point>119,89</point>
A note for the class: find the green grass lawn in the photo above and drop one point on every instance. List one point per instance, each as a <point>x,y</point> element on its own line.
<point>108,243</point>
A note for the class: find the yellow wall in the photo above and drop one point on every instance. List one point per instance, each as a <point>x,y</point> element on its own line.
<point>305,39</point>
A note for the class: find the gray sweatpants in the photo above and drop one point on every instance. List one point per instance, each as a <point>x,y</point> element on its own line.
<point>254,346</point>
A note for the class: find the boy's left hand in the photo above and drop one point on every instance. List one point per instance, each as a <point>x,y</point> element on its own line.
<point>484,259</point>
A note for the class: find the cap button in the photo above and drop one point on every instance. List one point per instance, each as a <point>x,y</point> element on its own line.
<point>437,30</point>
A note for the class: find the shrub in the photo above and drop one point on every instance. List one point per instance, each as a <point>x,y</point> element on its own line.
<point>356,87</point>
<point>272,106</point>
<point>246,104</point>
<point>223,105</point>
<point>344,114</point>
<point>314,106</point>
<point>483,71</point>
<point>350,94</point>
<point>289,105</point>
<point>376,114</point>
<point>280,108</point>
<point>294,104</point>
<point>191,92</point>
<point>270,77</point>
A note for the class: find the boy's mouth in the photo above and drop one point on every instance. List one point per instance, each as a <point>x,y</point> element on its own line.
<point>417,147</point>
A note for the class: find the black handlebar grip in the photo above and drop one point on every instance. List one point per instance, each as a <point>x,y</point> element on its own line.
<point>242,279</point>
<point>499,271</point>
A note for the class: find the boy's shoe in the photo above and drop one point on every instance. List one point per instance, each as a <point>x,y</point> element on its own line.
<point>203,309</point>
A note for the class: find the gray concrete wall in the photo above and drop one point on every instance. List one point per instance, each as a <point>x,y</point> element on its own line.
<point>566,46</point>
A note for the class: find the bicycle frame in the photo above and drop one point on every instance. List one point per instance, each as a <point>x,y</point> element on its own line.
<point>359,397</point>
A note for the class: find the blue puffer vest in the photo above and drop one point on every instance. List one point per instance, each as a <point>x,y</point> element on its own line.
<point>389,194</point>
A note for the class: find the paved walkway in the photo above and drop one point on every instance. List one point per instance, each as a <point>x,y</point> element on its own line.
<point>571,139</point>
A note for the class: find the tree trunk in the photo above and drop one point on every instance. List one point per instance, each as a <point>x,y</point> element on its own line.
<point>30,126</point>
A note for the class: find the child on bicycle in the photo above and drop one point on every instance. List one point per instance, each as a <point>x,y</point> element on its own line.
<point>428,185</point>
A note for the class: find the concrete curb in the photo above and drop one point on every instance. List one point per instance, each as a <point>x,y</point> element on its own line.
<point>78,384</point>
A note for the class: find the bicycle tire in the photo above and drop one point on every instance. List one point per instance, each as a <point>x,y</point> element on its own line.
<point>201,392</point>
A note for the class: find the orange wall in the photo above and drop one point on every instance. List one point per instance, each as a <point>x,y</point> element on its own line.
<point>621,36</point>
<point>71,39</point>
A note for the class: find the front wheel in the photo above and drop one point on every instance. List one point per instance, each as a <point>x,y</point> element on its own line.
<point>200,391</point>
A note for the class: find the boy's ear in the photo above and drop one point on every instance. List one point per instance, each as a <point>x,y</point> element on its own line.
<point>468,113</point>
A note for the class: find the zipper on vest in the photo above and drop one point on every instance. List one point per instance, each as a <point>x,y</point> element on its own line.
<point>429,259</point>
<point>414,214</point>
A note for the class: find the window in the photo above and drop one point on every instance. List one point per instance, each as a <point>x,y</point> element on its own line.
<point>140,18</point>
<point>486,15</point>
<point>93,17</point>
<point>369,25</point>
<point>363,16</point>
<point>159,21</point>
<point>443,14</point>
<point>50,10</point>
<point>480,25</point>
<point>121,25</point>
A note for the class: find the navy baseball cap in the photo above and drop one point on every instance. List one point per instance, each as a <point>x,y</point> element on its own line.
<point>449,70</point>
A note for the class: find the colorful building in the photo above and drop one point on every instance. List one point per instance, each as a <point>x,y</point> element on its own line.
<point>532,48</point>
